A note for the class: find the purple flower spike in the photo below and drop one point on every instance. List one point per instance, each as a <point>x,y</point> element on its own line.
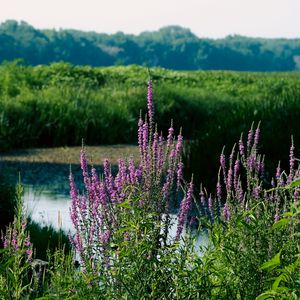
<point>256,137</point>
<point>155,149</point>
<point>145,146</point>
<point>278,172</point>
<point>241,147</point>
<point>239,192</point>
<point>219,190</point>
<point>226,212</point>
<point>179,175</point>
<point>179,144</point>
<point>250,137</point>
<point>140,136</point>
<point>84,168</point>
<point>222,161</point>
<point>235,173</point>
<point>229,180</point>
<point>185,206</point>
<point>160,153</point>
<point>150,103</point>
<point>292,162</point>
<point>256,192</point>
<point>170,138</point>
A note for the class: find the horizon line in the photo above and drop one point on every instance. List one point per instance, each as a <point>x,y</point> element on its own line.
<point>148,31</point>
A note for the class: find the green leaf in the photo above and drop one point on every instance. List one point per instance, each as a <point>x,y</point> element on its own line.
<point>271,264</point>
<point>277,282</point>
<point>281,223</point>
<point>125,204</point>
<point>295,183</point>
<point>265,296</point>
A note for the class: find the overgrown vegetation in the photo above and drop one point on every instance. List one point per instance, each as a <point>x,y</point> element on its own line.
<point>60,104</point>
<point>123,231</point>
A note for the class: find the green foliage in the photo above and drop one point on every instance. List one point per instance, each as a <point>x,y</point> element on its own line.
<point>171,47</point>
<point>62,104</point>
<point>283,277</point>
<point>16,256</point>
<point>46,238</point>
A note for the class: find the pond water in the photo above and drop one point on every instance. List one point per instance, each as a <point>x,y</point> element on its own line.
<point>46,194</point>
<point>47,207</point>
<point>52,208</point>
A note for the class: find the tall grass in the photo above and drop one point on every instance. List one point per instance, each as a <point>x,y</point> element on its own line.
<point>45,104</point>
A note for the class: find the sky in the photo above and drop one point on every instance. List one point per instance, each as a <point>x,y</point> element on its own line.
<point>205,18</point>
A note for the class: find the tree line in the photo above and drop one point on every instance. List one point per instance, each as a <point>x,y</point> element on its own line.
<point>170,47</point>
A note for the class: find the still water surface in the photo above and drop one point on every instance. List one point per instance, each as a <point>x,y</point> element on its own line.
<point>52,208</point>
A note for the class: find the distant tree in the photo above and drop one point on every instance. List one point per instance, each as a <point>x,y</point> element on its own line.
<point>171,47</point>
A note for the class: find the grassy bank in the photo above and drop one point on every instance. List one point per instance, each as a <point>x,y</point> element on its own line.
<point>61,104</point>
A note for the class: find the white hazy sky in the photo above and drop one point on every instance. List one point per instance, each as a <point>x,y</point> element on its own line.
<point>206,18</point>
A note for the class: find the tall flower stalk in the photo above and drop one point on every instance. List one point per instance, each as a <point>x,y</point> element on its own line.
<point>149,188</point>
<point>244,183</point>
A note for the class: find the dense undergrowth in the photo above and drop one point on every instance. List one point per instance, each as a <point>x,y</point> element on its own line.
<point>130,244</point>
<point>60,104</point>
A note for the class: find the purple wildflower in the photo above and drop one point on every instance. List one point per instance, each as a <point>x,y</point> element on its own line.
<point>250,137</point>
<point>229,180</point>
<point>179,144</point>
<point>140,137</point>
<point>192,221</point>
<point>241,147</point>
<point>170,138</point>
<point>235,173</point>
<point>226,212</point>
<point>219,190</point>
<point>105,236</point>
<point>278,172</point>
<point>239,192</point>
<point>145,146</point>
<point>150,103</point>
<point>292,162</point>
<point>222,161</point>
<point>155,150</point>
<point>179,175</point>
<point>256,191</point>
<point>185,206</point>
<point>256,136</point>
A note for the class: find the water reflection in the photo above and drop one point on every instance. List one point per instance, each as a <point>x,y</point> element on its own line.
<point>48,208</point>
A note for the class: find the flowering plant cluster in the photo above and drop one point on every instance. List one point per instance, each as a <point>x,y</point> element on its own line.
<point>146,191</point>
<point>242,182</point>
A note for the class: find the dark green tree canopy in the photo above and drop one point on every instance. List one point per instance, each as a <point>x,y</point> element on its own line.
<point>171,47</point>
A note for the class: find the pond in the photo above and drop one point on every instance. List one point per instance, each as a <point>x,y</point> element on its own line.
<point>45,174</point>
